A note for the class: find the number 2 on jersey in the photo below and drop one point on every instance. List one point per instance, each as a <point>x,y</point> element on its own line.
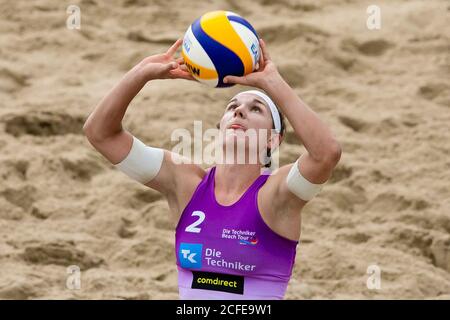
<point>193,227</point>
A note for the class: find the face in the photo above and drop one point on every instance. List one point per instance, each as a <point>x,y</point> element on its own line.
<point>245,114</point>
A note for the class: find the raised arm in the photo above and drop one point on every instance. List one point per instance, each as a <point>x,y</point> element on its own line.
<point>103,128</point>
<point>323,151</point>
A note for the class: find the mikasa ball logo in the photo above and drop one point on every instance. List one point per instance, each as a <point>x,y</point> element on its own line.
<point>255,51</point>
<point>187,44</point>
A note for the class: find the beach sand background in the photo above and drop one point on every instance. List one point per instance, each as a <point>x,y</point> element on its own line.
<point>385,93</point>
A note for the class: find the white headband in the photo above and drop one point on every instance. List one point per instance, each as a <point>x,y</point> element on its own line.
<point>272,107</point>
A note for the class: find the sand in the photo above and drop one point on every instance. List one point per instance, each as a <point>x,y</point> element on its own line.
<point>385,93</point>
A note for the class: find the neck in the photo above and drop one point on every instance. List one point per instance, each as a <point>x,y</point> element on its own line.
<point>235,178</point>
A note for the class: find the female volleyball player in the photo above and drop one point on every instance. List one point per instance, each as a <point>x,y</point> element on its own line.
<point>237,229</point>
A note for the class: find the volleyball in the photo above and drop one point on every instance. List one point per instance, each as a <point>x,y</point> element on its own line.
<point>218,44</point>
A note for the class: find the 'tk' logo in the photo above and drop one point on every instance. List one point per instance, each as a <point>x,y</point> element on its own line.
<point>190,255</point>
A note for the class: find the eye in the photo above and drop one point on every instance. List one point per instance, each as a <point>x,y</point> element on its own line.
<point>231,107</point>
<point>256,108</point>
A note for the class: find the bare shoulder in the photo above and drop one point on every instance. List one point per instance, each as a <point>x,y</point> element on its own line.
<point>277,192</point>
<point>279,208</point>
<point>176,172</point>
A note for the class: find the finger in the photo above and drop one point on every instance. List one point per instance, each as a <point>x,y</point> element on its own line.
<point>261,59</point>
<point>167,67</point>
<point>174,47</point>
<point>178,71</point>
<point>178,74</point>
<point>261,62</point>
<point>266,54</point>
<point>234,79</point>
<point>181,69</point>
<point>188,76</point>
<point>180,60</point>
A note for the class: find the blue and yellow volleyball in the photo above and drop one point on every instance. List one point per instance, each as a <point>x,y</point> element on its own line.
<point>218,44</point>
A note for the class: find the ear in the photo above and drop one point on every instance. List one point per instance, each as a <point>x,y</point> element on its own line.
<point>275,141</point>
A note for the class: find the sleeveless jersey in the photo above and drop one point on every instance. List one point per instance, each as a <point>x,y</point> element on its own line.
<point>229,252</point>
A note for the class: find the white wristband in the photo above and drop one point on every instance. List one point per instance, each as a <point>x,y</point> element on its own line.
<point>142,162</point>
<point>301,187</point>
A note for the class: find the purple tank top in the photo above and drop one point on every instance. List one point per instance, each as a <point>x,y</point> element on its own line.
<point>229,252</point>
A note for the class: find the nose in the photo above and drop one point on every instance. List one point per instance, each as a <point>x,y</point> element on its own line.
<point>239,112</point>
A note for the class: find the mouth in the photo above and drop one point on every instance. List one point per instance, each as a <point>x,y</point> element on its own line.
<point>237,127</point>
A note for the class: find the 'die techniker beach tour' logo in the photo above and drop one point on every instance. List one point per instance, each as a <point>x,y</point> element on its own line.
<point>244,237</point>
